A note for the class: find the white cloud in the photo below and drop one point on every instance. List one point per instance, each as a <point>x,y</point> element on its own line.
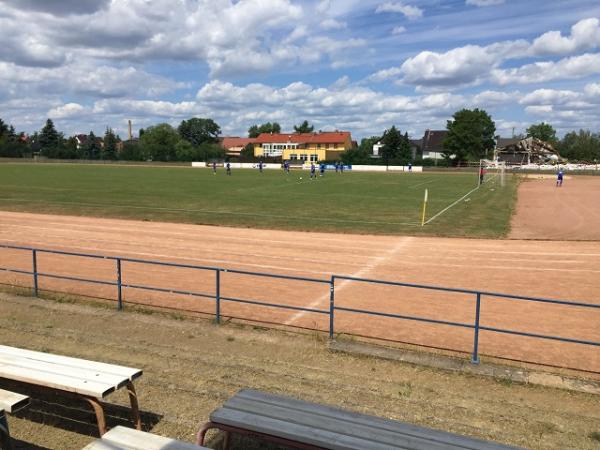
<point>460,66</point>
<point>66,111</point>
<point>568,68</point>
<point>585,35</point>
<point>398,30</point>
<point>473,64</point>
<point>484,2</point>
<point>411,12</point>
<point>332,24</point>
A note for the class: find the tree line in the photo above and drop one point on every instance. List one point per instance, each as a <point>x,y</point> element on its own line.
<point>470,137</point>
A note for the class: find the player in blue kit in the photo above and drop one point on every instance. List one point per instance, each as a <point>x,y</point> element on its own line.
<point>559,178</point>
<point>312,171</point>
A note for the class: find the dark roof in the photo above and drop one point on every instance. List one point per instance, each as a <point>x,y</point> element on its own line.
<point>416,142</point>
<point>433,140</point>
<point>504,142</point>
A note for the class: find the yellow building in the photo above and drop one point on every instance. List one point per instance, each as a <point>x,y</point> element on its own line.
<point>306,147</point>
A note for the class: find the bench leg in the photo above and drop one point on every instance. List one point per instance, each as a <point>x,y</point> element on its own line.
<point>5,443</point>
<point>99,414</point>
<point>135,410</point>
<point>202,432</point>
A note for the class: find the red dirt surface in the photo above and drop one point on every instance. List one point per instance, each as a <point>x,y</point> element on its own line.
<point>571,212</point>
<point>531,268</point>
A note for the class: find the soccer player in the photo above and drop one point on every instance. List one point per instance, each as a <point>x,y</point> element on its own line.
<point>228,168</point>
<point>341,167</point>
<point>481,175</point>
<point>214,168</point>
<point>312,171</point>
<point>322,169</point>
<point>410,167</point>
<point>559,178</point>
<point>260,166</point>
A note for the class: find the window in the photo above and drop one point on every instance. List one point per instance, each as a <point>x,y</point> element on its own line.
<point>303,157</point>
<point>335,145</point>
<point>318,145</point>
<point>328,145</point>
<point>294,156</point>
<point>314,158</point>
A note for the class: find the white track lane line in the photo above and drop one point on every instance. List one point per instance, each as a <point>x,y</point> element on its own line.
<point>368,267</point>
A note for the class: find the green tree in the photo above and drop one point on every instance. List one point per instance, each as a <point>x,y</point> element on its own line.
<point>396,147</point>
<point>247,153</point>
<point>92,147</point>
<point>3,129</point>
<point>132,151</point>
<point>110,144</point>
<point>580,146</point>
<point>198,131</point>
<point>543,131</point>
<point>356,155</point>
<point>470,135</point>
<point>304,127</point>
<point>158,143</point>
<point>268,127</point>
<point>49,138</point>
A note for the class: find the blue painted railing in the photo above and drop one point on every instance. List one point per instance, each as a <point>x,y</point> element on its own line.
<point>331,281</point>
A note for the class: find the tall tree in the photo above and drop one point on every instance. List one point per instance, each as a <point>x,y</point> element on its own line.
<point>3,128</point>
<point>110,144</point>
<point>159,142</point>
<point>92,146</point>
<point>268,127</point>
<point>580,146</point>
<point>199,131</point>
<point>470,135</point>
<point>48,138</point>
<point>543,131</point>
<point>396,146</point>
<point>304,127</point>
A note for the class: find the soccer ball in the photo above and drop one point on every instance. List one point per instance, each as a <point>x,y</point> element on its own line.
<point>300,177</point>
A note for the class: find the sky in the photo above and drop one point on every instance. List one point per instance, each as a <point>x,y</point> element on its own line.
<point>355,65</point>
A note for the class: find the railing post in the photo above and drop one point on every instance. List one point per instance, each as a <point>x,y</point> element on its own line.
<point>119,286</point>
<point>475,357</point>
<point>218,295</point>
<point>331,305</point>
<point>35,274</point>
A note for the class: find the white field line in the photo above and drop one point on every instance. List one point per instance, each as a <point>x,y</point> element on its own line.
<point>368,267</point>
<point>458,201</point>
<point>207,211</point>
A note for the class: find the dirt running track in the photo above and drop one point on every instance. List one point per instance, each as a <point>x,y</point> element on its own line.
<point>571,212</point>
<point>533,268</point>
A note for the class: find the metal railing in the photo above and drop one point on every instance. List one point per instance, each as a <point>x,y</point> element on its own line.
<point>331,281</point>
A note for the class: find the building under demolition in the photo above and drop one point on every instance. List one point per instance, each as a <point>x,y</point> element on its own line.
<point>522,151</point>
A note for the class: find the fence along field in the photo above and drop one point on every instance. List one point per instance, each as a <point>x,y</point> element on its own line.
<point>541,330</point>
<point>374,203</point>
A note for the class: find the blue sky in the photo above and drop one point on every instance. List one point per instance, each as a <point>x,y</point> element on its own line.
<point>357,65</point>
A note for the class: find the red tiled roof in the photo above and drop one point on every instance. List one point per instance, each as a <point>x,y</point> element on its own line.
<point>328,137</point>
<point>234,141</point>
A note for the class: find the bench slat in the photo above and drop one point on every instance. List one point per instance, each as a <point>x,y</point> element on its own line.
<point>329,423</point>
<point>332,427</point>
<point>47,369</point>
<point>61,382</point>
<point>11,401</point>
<point>67,361</point>
<point>129,439</point>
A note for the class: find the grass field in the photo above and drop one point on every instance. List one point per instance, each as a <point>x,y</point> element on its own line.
<point>378,203</point>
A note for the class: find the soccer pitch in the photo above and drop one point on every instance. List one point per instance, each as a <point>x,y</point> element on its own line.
<point>378,203</point>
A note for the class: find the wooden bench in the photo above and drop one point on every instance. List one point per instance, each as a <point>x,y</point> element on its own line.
<point>9,403</point>
<point>85,379</point>
<point>306,425</point>
<point>121,438</point>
